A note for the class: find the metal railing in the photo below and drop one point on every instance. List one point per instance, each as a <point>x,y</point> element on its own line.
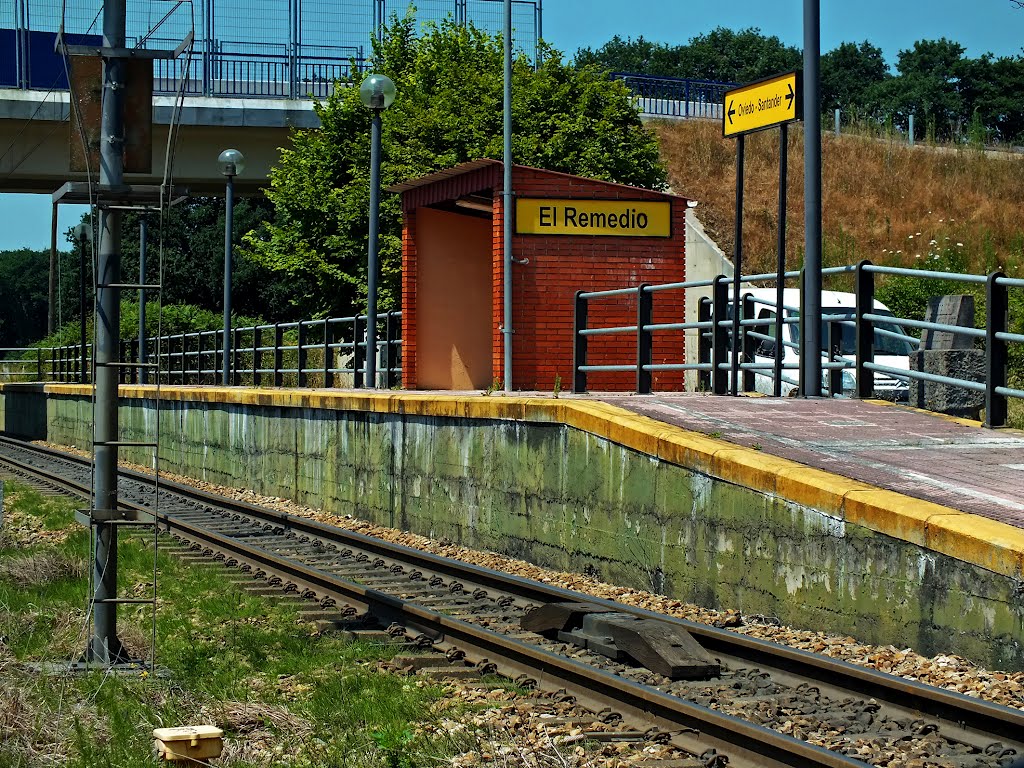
<point>265,48</point>
<point>305,353</point>
<point>676,97</point>
<point>723,360</point>
<point>22,364</point>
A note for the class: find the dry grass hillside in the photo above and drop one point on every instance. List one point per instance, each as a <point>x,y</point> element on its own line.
<point>881,199</point>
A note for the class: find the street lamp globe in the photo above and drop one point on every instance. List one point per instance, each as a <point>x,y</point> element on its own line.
<point>377,92</point>
<point>232,162</point>
<point>83,233</point>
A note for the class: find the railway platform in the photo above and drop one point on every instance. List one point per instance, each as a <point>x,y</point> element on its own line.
<point>948,461</point>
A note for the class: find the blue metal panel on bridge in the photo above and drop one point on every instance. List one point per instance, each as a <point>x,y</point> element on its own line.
<point>269,48</point>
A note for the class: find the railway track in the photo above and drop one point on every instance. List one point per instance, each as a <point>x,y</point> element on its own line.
<point>756,704</point>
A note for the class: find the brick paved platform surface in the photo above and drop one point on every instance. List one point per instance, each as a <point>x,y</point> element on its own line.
<point>925,456</point>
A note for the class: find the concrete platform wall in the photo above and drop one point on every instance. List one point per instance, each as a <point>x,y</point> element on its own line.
<point>572,498</point>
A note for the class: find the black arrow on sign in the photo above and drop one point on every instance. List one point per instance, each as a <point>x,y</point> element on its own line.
<point>790,96</point>
<point>731,112</point>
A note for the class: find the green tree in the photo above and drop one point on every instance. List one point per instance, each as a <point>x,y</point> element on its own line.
<point>640,56</point>
<point>24,276</point>
<point>448,111</point>
<point>848,75</point>
<point>993,90</point>
<point>737,57</point>
<point>928,87</point>
<point>193,258</point>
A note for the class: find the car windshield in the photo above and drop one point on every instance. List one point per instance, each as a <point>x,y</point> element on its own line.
<point>884,345</point>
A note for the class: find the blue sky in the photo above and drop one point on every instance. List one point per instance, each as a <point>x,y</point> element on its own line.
<point>981,26</point>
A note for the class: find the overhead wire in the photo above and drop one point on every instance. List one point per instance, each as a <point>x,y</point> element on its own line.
<point>166,190</point>
<point>93,226</point>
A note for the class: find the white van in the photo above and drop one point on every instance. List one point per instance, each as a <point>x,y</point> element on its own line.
<point>889,352</point>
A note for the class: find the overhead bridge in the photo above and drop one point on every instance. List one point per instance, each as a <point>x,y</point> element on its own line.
<point>36,139</point>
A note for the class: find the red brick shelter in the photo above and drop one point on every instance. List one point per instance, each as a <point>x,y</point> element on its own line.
<point>571,233</point>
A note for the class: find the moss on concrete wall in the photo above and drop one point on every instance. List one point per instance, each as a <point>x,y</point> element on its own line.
<point>564,498</point>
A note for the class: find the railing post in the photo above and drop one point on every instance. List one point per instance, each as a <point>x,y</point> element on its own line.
<point>865,341</point>
<point>184,363</point>
<point>720,337</point>
<point>53,364</point>
<point>389,336</point>
<point>802,365</point>
<point>236,357</point>
<point>39,363</point>
<point>301,354</point>
<point>750,344</point>
<point>257,356</point>
<point>644,338</point>
<point>704,343</point>
<point>835,375</point>
<point>997,310</point>
<point>357,353</point>
<point>278,343</point>
<point>328,375</point>
<point>579,347</point>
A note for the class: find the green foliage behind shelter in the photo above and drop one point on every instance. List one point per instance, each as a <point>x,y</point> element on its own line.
<point>448,111</point>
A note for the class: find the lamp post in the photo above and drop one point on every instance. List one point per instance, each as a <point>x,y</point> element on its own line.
<point>83,234</point>
<point>377,93</point>
<point>232,163</point>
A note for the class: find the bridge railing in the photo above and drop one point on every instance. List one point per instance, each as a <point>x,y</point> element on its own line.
<point>843,375</point>
<point>256,75</point>
<point>676,97</point>
<point>305,353</point>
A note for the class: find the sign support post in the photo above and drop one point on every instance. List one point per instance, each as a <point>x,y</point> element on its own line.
<point>774,101</point>
<point>780,279</point>
<point>737,271</point>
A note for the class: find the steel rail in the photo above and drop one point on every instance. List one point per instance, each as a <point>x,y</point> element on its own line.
<point>963,718</point>
<point>694,728</point>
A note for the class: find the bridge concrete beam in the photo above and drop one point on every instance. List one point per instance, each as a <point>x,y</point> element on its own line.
<point>35,139</point>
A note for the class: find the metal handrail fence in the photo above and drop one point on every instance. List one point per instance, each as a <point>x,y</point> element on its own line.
<point>268,48</point>
<point>305,353</point>
<point>21,364</point>
<point>262,75</point>
<point>676,97</point>
<point>718,363</point>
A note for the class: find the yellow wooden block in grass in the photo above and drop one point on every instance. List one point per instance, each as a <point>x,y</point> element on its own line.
<point>189,745</point>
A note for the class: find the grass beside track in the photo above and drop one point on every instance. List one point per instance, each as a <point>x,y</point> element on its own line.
<point>283,694</point>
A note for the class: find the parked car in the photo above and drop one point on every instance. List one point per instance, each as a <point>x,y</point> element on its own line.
<point>889,351</point>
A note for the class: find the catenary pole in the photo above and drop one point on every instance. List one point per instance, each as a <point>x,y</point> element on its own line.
<point>105,648</point>
<point>507,199</point>
<point>810,342</point>
<point>737,271</point>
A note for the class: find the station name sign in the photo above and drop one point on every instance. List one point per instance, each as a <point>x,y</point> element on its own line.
<point>763,104</point>
<point>606,218</point>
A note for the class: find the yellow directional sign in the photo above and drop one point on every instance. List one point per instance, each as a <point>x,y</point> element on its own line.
<point>763,104</point>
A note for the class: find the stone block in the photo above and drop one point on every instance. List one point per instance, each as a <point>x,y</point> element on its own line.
<point>966,364</point>
<point>949,310</point>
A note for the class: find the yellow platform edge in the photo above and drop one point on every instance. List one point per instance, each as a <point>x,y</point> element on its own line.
<point>989,544</point>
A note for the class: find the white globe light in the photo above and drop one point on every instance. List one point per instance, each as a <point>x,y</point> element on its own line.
<point>232,162</point>
<point>377,92</point>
